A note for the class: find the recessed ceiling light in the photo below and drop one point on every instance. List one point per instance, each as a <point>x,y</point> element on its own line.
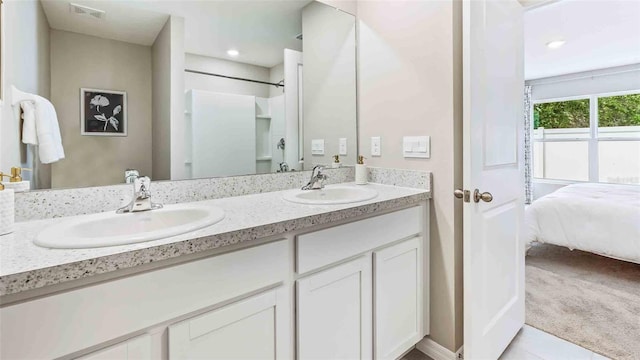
<point>233,52</point>
<point>555,44</point>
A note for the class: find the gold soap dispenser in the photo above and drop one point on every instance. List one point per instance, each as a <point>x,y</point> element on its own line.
<point>15,180</point>
<point>336,162</point>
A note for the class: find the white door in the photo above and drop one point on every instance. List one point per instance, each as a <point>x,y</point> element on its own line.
<point>398,298</point>
<point>493,163</point>
<point>138,348</point>
<point>334,312</point>
<point>217,122</point>
<point>247,329</point>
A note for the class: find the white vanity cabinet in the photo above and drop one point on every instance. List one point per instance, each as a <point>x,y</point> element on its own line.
<point>247,329</point>
<point>96,318</point>
<point>398,305</point>
<point>351,290</point>
<point>138,348</point>
<point>364,295</point>
<point>334,312</point>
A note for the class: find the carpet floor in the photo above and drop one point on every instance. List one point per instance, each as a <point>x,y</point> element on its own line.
<point>589,300</point>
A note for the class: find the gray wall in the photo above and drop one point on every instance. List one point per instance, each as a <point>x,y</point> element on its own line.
<point>26,65</point>
<point>329,78</point>
<point>178,150</point>
<point>168,60</point>
<point>161,109</point>
<point>82,61</point>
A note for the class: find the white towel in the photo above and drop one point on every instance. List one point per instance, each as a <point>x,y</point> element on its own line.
<point>47,130</point>
<point>29,123</point>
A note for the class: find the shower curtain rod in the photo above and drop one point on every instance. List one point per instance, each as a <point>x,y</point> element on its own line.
<point>278,84</point>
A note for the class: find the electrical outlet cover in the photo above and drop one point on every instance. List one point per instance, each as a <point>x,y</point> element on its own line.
<point>375,146</point>
<point>343,146</point>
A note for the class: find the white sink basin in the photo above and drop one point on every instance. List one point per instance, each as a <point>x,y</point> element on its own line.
<point>110,229</point>
<point>331,195</point>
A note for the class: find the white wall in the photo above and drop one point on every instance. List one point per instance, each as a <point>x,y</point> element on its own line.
<point>276,74</point>
<point>410,80</point>
<point>228,68</point>
<point>278,131</point>
<point>329,59</point>
<point>26,65</point>
<point>100,160</point>
<point>350,6</point>
<point>293,69</point>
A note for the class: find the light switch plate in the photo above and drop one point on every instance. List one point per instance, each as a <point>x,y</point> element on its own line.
<point>375,146</point>
<point>343,146</point>
<point>416,147</point>
<point>317,147</point>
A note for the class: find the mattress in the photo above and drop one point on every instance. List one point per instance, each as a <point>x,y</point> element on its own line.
<point>600,218</point>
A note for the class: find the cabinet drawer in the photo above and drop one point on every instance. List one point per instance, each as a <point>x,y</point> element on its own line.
<point>321,248</point>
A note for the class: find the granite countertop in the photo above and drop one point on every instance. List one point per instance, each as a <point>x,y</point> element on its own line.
<point>25,266</point>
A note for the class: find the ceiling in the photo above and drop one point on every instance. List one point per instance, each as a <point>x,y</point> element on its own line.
<point>131,25</point>
<point>598,35</point>
<point>258,29</point>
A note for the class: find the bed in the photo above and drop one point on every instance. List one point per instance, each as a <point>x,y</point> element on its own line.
<point>600,218</point>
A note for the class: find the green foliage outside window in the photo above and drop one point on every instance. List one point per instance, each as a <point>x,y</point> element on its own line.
<point>612,111</point>
<point>619,110</point>
<point>562,115</point>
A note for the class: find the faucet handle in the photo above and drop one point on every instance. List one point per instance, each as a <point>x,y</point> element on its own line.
<point>142,185</point>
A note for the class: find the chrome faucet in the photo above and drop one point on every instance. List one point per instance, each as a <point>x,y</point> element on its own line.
<point>284,167</point>
<point>317,179</point>
<point>141,197</point>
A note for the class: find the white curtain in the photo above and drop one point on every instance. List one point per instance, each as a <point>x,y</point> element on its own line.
<point>528,164</point>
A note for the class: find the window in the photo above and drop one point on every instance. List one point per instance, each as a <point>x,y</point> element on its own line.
<point>594,138</point>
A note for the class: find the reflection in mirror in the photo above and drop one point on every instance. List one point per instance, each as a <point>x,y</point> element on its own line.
<point>175,89</point>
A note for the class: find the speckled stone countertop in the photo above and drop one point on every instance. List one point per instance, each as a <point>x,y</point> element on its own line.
<point>25,266</point>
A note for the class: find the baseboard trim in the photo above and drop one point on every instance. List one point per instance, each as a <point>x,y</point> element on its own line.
<point>436,351</point>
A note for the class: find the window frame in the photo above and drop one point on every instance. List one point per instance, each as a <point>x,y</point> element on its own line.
<point>593,139</point>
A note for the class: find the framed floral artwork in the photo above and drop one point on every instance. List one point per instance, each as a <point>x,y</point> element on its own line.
<point>103,112</point>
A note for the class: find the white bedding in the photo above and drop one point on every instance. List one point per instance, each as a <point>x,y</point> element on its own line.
<point>598,218</point>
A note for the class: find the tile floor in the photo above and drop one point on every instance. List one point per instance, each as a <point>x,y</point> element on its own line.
<point>534,344</point>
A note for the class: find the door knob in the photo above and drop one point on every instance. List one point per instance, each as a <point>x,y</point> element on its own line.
<point>485,196</point>
<point>458,193</point>
<point>462,194</point>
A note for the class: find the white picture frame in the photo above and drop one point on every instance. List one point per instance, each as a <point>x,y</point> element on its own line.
<point>103,112</point>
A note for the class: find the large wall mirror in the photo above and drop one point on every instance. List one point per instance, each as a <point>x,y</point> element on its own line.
<point>175,89</point>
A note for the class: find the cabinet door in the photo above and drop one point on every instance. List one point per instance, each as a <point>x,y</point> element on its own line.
<point>334,312</point>
<point>138,348</point>
<point>398,298</point>
<point>252,328</point>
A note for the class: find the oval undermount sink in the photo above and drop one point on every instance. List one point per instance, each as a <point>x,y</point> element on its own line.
<point>331,195</point>
<point>110,229</point>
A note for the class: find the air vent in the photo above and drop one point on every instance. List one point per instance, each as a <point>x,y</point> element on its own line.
<point>299,36</point>
<point>86,11</point>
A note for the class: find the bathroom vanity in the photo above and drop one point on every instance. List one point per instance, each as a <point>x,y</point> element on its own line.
<point>240,262</point>
<point>274,279</point>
